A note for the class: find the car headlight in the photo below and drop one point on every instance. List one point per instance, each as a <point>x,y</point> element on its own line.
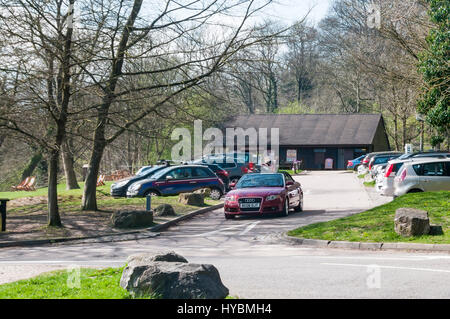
<point>135,187</point>
<point>272,197</point>
<point>231,198</point>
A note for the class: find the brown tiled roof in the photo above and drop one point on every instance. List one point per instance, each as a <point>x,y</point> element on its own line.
<point>314,129</point>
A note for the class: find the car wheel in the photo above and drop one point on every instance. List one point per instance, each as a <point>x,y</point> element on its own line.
<point>151,193</point>
<point>285,211</point>
<point>299,208</point>
<point>227,216</point>
<point>216,193</point>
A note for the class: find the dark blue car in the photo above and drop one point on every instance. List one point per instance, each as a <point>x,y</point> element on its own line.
<point>178,179</point>
<point>119,189</point>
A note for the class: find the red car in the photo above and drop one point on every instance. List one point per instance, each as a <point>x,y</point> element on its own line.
<point>258,194</point>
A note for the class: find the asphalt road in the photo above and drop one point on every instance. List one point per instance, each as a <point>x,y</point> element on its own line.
<point>254,261</point>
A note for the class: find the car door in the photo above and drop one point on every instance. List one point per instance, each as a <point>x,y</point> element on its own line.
<point>176,181</point>
<point>434,177</point>
<point>202,177</point>
<point>293,190</point>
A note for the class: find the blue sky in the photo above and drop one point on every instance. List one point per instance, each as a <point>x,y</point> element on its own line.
<point>289,11</point>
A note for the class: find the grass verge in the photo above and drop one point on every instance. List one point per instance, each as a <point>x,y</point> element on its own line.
<point>370,184</point>
<point>290,171</point>
<point>93,284</point>
<point>377,224</point>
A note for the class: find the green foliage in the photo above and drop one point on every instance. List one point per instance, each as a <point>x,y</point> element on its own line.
<point>94,284</point>
<point>295,108</point>
<point>377,224</point>
<point>434,67</point>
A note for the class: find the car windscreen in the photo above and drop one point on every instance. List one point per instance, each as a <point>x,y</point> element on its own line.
<point>161,172</point>
<point>261,180</point>
<point>148,170</point>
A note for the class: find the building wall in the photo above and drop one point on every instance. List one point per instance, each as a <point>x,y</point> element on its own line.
<point>313,158</point>
<point>381,141</point>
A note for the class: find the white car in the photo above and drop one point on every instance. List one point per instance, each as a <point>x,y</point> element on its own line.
<point>423,176</point>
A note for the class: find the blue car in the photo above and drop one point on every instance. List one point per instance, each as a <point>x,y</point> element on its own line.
<point>119,189</point>
<point>353,164</point>
<point>178,179</point>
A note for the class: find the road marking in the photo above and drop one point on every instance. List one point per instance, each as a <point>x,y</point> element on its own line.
<point>406,258</point>
<point>249,228</point>
<point>389,267</point>
<point>220,230</point>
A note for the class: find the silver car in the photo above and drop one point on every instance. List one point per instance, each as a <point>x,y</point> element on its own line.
<point>386,181</point>
<point>423,176</point>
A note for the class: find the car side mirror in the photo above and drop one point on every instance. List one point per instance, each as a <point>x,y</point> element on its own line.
<point>289,183</point>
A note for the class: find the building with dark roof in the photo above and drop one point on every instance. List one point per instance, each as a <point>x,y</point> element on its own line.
<point>313,138</point>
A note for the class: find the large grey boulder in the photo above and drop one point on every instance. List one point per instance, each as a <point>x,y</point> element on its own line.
<point>193,199</point>
<point>132,219</point>
<point>147,275</point>
<point>411,222</point>
<point>148,258</point>
<point>205,192</point>
<point>164,210</point>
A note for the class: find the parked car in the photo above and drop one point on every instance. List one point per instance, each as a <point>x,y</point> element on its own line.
<point>380,159</point>
<point>354,163</point>
<point>366,160</point>
<point>119,189</point>
<point>423,176</point>
<point>235,167</point>
<point>265,193</point>
<point>435,154</point>
<point>178,179</point>
<point>220,172</point>
<point>393,167</point>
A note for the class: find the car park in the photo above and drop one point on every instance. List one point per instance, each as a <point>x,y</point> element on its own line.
<point>265,193</point>
<point>119,188</point>
<point>385,179</point>
<point>355,163</point>
<point>423,176</point>
<point>235,164</point>
<point>366,160</point>
<point>380,159</point>
<point>220,172</point>
<point>178,179</point>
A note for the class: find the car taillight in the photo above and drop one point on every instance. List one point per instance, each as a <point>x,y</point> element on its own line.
<point>370,166</point>
<point>403,176</point>
<point>244,169</point>
<point>365,161</point>
<point>389,170</point>
<point>251,166</point>
<point>223,172</point>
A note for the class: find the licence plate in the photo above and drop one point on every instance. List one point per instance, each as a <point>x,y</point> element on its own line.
<point>249,205</point>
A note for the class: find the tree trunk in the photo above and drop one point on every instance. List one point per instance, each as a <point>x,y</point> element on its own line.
<point>89,200</point>
<point>32,164</point>
<point>68,162</point>
<point>53,213</point>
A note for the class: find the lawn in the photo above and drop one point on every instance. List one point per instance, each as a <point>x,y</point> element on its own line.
<point>27,213</point>
<point>289,171</point>
<point>61,191</point>
<point>93,284</point>
<point>377,224</point>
